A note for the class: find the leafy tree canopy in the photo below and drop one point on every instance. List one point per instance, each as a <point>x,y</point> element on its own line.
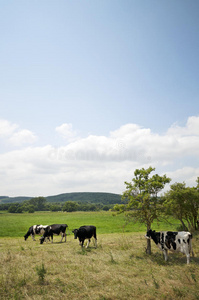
<point>142,203</point>
<point>183,204</point>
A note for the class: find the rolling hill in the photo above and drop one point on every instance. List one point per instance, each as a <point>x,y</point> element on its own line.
<point>84,197</point>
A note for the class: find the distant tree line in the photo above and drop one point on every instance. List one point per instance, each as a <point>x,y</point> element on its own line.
<point>41,204</point>
<point>141,202</point>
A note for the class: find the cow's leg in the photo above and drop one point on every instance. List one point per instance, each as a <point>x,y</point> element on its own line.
<point>51,238</point>
<point>62,235</point>
<point>188,258</point>
<point>165,252</point>
<point>88,243</point>
<point>188,254</point>
<point>33,237</point>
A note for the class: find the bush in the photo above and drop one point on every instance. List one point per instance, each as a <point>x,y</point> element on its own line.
<point>70,206</point>
<point>13,208</point>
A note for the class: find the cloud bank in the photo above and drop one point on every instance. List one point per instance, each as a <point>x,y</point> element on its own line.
<point>95,163</point>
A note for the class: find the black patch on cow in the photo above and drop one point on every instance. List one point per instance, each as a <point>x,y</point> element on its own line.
<point>179,241</point>
<point>37,229</point>
<point>172,234</point>
<point>174,245</point>
<point>188,240</point>
<point>184,241</point>
<point>168,242</point>
<point>154,235</point>
<point>170,239</point>
<point>162,241</point>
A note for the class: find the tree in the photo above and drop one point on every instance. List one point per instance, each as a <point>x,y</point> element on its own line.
<point>38,202</point>
<point>70,206</point>
<point>183,204</point>
<point>142,203</point>
<point>31,209</point>
<point>55,207</point>
<point>13,208</point>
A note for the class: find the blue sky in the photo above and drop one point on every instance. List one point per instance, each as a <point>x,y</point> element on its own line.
<point>92,90</point>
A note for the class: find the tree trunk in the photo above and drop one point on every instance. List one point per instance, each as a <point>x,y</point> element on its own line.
<point>184,226</point>
<point>148,249</point>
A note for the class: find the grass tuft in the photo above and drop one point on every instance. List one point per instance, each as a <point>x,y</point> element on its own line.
<point>41,272</point>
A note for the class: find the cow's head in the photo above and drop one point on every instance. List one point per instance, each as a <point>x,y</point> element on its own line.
<point>42,240</point>
<point>149,234</point>
<point>75,231</point>
<point>25,237</point>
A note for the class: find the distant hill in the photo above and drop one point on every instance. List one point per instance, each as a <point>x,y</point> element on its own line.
<point>6,199</point>
<point>104,198</point>
<point>85,197</point>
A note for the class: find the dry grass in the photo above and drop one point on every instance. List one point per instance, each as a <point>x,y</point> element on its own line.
<point>117,269</point>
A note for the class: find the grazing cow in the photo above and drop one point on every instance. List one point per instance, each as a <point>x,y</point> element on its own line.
<point>85,232</point>
<point>35,229</point>
<point>54,229</point>
<point>173,241</point>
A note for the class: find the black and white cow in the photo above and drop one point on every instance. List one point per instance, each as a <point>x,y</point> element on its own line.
<point>54,229</point>
<point>172,240</point>
<point>35,230</point>
<point>85,232</point>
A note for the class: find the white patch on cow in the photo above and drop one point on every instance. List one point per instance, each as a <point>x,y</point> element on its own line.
<point>34,232</point>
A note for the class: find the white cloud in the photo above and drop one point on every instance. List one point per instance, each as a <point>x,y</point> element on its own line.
<point>66,132</point>
<point>22,137</point>
<point>133,143</point>
<point>6,128</point>
<point>185,174</point>
<point>13,135</point>
<point>191,128</point>
<point>99,163</point>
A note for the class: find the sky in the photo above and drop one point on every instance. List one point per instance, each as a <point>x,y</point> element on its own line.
<point>92,90</point>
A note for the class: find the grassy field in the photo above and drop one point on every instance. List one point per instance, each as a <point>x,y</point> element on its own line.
<point>16,225</point>
<point>117,269</point>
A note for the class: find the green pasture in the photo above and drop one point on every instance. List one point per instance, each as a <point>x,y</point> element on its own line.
<point>16,225</point>
<point>118,269</point>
